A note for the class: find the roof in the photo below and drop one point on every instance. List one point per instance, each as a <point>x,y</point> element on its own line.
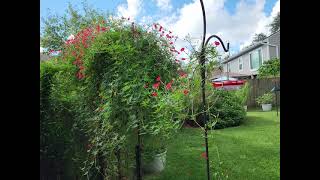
<point>250,48</point>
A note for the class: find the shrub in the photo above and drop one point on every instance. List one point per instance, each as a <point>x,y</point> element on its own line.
<point>227,109</point>
<point>266,98</point>
<point>243,93</point>
<point>57,139</point>
<point>115,77</point>
<point>270,68</point>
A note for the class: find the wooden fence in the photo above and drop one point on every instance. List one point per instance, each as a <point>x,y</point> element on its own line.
<point>260,86</point>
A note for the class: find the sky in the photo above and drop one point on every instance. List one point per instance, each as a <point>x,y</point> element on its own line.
<point>235,21</point>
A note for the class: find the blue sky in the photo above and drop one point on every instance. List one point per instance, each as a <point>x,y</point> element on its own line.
<point>249,16</point>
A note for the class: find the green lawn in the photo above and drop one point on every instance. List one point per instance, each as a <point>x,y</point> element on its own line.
<point>250,151</point>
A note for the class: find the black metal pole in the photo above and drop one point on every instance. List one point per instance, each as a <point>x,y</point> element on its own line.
<point>138,155</point>
<point>203,81</point>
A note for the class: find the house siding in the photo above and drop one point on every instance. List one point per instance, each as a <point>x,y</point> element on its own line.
<point>275,40</point>
<point>264,52</point>
<point>267,51</point>
<point>273,52</point>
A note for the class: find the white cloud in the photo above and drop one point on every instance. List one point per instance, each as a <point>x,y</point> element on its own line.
<point>262,25</point>
<point>237,28</point>
<point>146,20</point>
<point>132,9</point>
<point>164,4</point>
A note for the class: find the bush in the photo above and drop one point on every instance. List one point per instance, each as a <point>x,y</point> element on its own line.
<point>57,139</point>
<point>228,109</point>
<point>270,68</point>
<point>106,86</point>
<point>266,98</point>
<point>243,93</point>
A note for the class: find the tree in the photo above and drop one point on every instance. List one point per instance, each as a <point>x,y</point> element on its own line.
<point>275,25</point>
<point>57,28</point>
<point>259,37</point>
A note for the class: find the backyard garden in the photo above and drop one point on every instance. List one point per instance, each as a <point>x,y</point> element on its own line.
<point>119,101</point>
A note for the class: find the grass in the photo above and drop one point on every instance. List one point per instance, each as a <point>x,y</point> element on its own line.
<point>249,151</point>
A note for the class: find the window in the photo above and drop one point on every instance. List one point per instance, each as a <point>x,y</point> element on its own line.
<point>240,64</point>
<point>255,59</point>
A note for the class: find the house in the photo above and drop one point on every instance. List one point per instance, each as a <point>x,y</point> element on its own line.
<point>246,63</point>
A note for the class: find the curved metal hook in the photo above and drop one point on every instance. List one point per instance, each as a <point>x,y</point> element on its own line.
<point>224,48</point>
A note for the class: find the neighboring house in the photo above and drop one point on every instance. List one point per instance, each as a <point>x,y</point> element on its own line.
<point>247,62</point>
<point>44,57</point>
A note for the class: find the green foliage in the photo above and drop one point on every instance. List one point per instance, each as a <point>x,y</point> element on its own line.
<point>58,28</point>
<point>243,93</point>
<point>57,143</point>
<point>106,106</point>
<point>227,109</point>
<point>266,98</point>
<point>270,68</point>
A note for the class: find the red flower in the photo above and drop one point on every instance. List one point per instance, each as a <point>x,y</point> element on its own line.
<point>168,86</point>
<point>160,28</point>
<point>216,43</point>
<point>146,85</point>
<point>98,29</point>
<point>182,49</point>
<point>155,26</point>
<point>81,67</point>
<point>171,42</point>
<point>183,75</point>
<point>185,92</point>
<point>204,155</point>
<point>156,85</point>
<point>170,32</point>
<point>183,58</point>
<point>158,78</point>
<point>103,29</point>
<point>154,94</point>
<point>80,75</point>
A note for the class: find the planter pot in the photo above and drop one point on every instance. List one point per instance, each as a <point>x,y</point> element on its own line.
<point>157,164</point>
<point>245,108</point>
<point>266,107</point>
